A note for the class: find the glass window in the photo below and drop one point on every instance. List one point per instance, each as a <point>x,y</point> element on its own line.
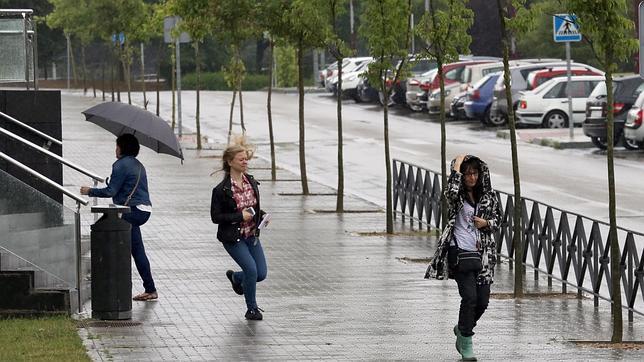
<point>577,90</point>
<point>491,70</point>
<point>556,92</point>
<point>454,74</point>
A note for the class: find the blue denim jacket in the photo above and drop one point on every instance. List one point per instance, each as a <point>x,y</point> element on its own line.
<point>125,171</point>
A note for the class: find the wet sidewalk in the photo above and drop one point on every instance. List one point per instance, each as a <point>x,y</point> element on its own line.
<point>336,289</point>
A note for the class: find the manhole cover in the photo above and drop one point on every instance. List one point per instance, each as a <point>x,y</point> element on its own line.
<point>109,324</point>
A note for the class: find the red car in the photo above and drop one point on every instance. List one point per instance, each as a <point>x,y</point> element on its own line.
<point>538,77</point>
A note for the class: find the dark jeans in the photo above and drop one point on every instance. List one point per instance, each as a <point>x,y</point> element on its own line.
<point>137,218</point>
<point>249,255</point>
<point>474,297</point>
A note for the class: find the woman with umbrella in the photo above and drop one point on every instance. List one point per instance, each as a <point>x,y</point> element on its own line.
<point>128,185</point>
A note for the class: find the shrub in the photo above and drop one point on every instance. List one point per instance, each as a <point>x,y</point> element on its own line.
<point>216,81</point>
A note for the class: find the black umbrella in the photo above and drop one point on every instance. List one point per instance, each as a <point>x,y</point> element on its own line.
<point>151,131</point>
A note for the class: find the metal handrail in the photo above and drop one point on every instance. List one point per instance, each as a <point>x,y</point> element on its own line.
<point>53,155</point>
<point>33,130</point>
<point>44,179</point>
<point>16,11</point>
<point>576,252</point>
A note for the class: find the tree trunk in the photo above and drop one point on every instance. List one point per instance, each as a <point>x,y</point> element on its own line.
<point>517,237</point>
<point>389,208</point>
<point>339,204</point>
<point>73,64</point>
<point>300,89</point>
<point>103,79</point>
<point>84,66</point>
<point>112,73</point>
<point>270,115</point>
<point>444,170</point>
<point>230,119</point>
<point>241,108</point>
<point>174,85</point>
<point>126,73</point>
<point>197,114</point>
<point>160,53</point>
<point>145,98</point>
<point>615,259</point>
<point>118,76</point>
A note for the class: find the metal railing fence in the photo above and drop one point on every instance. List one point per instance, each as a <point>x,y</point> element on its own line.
<point>563,245</point>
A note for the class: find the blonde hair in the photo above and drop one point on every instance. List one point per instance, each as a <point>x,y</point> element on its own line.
<point>238,144</point>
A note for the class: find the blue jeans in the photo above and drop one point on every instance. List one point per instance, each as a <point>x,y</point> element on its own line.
<point>137,218</point>
<point>248,253</point>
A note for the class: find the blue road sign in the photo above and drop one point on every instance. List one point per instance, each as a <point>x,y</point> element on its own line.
<point>565,28</point>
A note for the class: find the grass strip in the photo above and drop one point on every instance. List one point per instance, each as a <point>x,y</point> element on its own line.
<point>41,339</point>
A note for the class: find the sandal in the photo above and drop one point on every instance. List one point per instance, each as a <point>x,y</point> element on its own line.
<point>146,296</point>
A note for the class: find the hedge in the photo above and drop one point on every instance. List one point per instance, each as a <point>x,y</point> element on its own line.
<point>215,81</point>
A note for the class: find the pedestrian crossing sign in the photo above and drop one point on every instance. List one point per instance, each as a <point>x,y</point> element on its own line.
<point>565,28</point>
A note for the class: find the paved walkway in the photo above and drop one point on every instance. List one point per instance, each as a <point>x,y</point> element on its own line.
<point>332,291</point>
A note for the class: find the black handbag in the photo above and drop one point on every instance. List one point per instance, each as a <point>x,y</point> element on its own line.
<point>469,261</point>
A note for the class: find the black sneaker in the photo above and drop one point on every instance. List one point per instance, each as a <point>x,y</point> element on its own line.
<point>237,287</point>
<point>254,314</point>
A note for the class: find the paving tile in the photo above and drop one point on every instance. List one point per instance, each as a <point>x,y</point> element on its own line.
<point>330,294</point>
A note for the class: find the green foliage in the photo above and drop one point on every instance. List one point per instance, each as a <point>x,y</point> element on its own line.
<point>74,17</point>
<point>216,81</point>
<point>337,47</point>
<point>41,339</point>
<point>445,31</point>
<point>383,24</point>
<point>196,17</point>
<point>286,64</point>
<point>235,71</point>
<point>308,27</point>
<point>539,42</point>
<point>606,28</point>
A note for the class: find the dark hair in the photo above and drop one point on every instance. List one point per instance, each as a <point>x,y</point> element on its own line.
<point>473,163</point>
<point>128,144</point>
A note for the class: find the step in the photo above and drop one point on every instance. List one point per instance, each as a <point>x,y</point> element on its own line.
<point>50,248</point>
<point>22,221</point>
<point>18,296</point>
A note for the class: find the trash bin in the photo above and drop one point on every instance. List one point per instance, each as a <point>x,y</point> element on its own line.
<point>111,264</point>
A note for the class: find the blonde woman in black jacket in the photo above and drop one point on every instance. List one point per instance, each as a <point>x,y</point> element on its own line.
<point>235,208</point>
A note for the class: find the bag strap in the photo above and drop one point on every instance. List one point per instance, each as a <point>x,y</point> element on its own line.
<point>138,178</point>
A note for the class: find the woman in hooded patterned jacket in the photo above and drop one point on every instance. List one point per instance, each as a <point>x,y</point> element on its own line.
<point>466,249</point>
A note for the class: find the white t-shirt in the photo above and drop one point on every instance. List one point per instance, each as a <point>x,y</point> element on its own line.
<point>465,232</point>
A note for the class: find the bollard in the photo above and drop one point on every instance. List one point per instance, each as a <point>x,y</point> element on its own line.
<point>111,264</point>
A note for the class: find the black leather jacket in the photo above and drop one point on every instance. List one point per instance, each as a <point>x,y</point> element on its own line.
<point>223,210</point>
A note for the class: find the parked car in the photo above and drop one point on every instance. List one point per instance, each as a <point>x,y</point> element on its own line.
<point>365,92</point>
<point>456,108</point>
<point>350,80</point>
<point>633,130</point>
<point>348,65</point>
<point>399,91</point>
<point>479,98</point>
<point>518,75</point>
<point>625,91</point>
<point>456,81</point>
<point>538,77</point>
<point>547,105</point>
<point>417,90</point>
<point>327,72</point>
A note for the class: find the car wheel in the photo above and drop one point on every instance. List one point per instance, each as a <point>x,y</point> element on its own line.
<point>600,143</point>
<point>630,144</point>
<point>555,119</point>
<point>496,120</point>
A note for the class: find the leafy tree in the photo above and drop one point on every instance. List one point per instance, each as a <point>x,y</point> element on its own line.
<point>603,24</point>
<point>286,58</point>
<point>308,29</point>
<point>445,33</point>
<point>274,25</point>
<point>520,23</point>
<point>234,24</point>
<point>338,48</point>
<point>386,25</point>
<point>197,22</point>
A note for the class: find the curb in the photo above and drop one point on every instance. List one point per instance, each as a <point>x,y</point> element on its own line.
<point>559,143</point>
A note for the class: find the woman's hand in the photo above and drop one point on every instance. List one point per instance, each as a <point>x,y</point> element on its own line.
<point>457,163</point>
<point>247,215</point>
<point>84,190</point>
<point>480,223</point>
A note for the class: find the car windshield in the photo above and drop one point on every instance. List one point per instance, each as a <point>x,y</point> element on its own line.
<point>600,90</point>
<point>482,81</point>
<point>422,65</point>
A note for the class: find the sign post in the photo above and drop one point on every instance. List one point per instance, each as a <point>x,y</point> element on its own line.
<point>169,24</point>
<point>565,30</point>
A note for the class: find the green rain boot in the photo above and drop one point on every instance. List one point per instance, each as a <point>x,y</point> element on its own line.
<point>459,338</point>
<point>466,350</point>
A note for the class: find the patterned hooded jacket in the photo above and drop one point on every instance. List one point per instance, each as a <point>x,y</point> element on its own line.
<point>487,208</point>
